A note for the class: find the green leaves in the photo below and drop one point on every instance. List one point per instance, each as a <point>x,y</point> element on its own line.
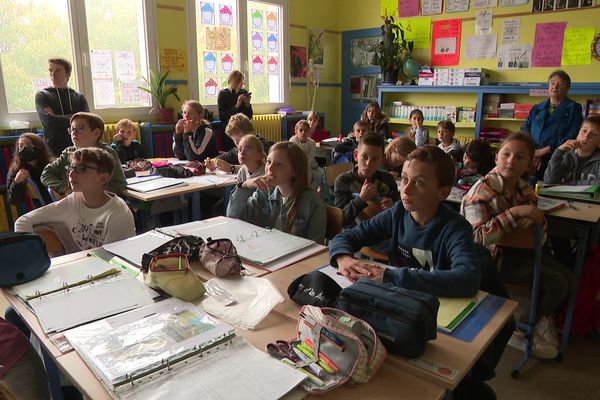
<point>393,49</point>
<point>158,89</point>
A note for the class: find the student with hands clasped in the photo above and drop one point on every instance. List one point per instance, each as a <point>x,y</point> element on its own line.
<point>194,140</point>
<point>577,161</point>
<point>282,198</point>
<point>417,132</point>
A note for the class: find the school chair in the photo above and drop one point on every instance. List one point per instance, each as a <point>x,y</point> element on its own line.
<point>54,246</point>
<point>33,192</point>
<point>332,172</point>
<point>527,239</point>
<point>335,222</point>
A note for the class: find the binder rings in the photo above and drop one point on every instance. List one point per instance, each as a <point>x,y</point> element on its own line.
<point>173,343</point>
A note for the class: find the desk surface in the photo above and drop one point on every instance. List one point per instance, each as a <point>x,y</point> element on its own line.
<point>445,350</point>
<point>585,212</point>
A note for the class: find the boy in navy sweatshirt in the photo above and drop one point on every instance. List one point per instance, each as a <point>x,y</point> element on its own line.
<point>432,243</point>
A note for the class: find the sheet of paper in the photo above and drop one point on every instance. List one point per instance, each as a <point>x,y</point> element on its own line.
<point>513,3</point>
<point>445,49</point>
<point>478,47</point>
<point>548,44</point>
<point>510,30</point>
<point>431,7</point>
<point>418,30</point>
<point>484,3</point>
<point>457,6</point>
<point>156,184</point>
<point>570,188</point>
<point>389,8</point>
<point>483,22</point>
<point>104,92</point>
<point>576,50</point>
<point>546,204</point>
<point>125,63</point>
<point>101,64</point>
<point>514,56</point>
<point>208,179</point>
<point>133,248</point>
<point>408,8</point>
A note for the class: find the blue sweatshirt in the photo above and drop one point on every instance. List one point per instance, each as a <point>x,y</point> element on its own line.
<point>439,258</point>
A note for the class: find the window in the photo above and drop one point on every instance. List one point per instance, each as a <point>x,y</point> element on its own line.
<point>239,34</point>
<point>106,41</point>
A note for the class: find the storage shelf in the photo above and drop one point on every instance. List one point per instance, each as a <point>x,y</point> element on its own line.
<point>504,119</point>
<point>432,123</point>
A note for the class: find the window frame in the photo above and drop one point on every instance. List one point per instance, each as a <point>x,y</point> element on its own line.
<point>193,81</point>
<point>82,69</point>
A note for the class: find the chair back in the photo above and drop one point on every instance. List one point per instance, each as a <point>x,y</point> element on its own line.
<point>522,238</point>
<point>54,246</point>
<point>335,222</point>
<point>332,172</point>
<point>34,192</point>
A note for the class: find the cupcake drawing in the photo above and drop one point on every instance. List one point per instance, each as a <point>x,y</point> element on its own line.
<point>210,63</point>
<point>257,17</point>
<point>272,65</point>
<point>257,65</point>
<point>272,21</point>
<point>210,87</point>
<point>272,42</point>
<point>227,63</point>
<point>257,41</point>
<point>225,15</point>
<point>207,11</point>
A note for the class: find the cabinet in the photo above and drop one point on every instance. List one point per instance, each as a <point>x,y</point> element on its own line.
<point>475,96</point>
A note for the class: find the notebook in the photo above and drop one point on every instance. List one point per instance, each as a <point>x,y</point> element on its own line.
<point>453,311</point>
<point>548,205</point>
<point>151,185</point>
<point>585,192</point>
<point>174,350</point>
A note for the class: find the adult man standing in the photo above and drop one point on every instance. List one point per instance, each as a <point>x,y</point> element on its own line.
<point>56,105</point>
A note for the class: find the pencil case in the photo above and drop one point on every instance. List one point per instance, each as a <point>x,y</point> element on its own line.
<point>171,273</point>
<point>346,348</point>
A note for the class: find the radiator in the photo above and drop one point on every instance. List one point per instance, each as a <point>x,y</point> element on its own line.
<point>268,126</point>
<point>111,129</point>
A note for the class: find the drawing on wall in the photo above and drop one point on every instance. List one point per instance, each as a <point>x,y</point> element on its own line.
<point>218,38</point>
<point>225,15</point>
<point>210,63</point>
<point>272,21</point>
<point>173,59</point>
<point>257,41</point>
<point>227,63</point>
<point>272,66</point>
<point>315,46</point>
<point>298,61</point>
<point>362,53</point>
<point>272,42</point>
<point>210,87</point>
<point>125,65</point>
<point>207,13</point>
<point>514,56</point>
<point>257,19</point>
<point>453,6</point>
<point>257,65</point>
<point>553,5</point>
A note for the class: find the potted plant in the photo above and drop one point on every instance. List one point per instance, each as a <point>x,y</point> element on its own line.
<point>392,51</point>
<point>157,87</point>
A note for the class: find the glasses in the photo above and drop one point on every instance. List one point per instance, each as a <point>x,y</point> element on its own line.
<point>79,168</point>
<point>76,129</point>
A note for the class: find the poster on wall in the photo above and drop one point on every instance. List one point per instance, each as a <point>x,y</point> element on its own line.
<point>453,6</point>
<point>389,8</point>
<point>514,56</point>
<point>173,60</point>
<point>101,61</point>
<point>513,3</point>
<point>418,30</point>
<point>315,46</point>
<point>548,44</point>
<point>445,46</point>
<point>408,8</point>
<point>484,3</point>
<point>554,5</point>
<point>40,83</point>
<point>480,46</point>
<point>298,61</point>
<point>576,50</point>
<point>218,38</point>
<point>483,22</point>
<point>431,7</point>
<point>125,65</point>
<point>510,30</point>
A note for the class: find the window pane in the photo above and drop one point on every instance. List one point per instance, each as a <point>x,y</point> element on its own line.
<point>31,31</point>
<point>118,56</point>
<point>264,52</point>
<point>218,46</point>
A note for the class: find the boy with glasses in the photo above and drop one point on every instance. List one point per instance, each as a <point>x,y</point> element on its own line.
<point>89,217</point>
<point>86,130</point>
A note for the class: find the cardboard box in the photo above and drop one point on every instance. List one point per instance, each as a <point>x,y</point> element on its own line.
<point>506,113</point>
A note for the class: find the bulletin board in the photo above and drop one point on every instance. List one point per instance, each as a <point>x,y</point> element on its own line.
<point>528,45</point>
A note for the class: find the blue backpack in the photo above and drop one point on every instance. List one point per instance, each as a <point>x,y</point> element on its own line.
<point>24,258</point>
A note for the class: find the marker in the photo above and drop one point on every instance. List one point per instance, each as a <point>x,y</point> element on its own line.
<point>310,376</point>
<point>311,364</point>
<point>179,262</point>
<point>306,350</point>
<point>325,359</point>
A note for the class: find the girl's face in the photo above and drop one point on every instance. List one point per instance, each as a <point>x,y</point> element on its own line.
<point>372,113</point>
<point>444,135</point>
<point>279,168</point>
<point>236,85</point>
<point>248,154</point>
<point>24,142</point>
<point>513,160</point>
<point>416,121</point>
<point>467,162</point>
<point>190,113</point>
<point>313,122</point>
<point>301,133</point>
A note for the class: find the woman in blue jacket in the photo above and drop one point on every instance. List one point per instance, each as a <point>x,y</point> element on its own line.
<point>552,122</point>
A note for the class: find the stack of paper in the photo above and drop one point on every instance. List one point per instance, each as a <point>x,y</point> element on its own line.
<point>133,249</point>
<point>453,311</point>
<point>150,185</point>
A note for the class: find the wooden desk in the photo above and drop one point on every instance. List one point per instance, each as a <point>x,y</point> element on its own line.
<point>444,350</point>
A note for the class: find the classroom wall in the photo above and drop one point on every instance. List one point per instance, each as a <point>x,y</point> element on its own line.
<point>587,17</point>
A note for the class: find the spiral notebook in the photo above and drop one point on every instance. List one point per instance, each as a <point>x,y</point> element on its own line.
<point>173,349</point>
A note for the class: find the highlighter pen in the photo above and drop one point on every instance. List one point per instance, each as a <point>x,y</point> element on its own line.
<point>322,356</point>
<point>312,365</point>
<point>310,376</point>
<point>303,348</point>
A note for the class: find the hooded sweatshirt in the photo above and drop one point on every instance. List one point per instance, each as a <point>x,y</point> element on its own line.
<point>568,168</point>
<point>64,103</point>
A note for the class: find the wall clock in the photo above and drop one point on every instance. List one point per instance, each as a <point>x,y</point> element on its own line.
<point>596,47</point>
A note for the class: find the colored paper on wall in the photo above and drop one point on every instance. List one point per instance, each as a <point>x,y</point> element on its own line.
<point>576,49</point>
<point>548,44</point>
<point>218,38</point>
<point>173,60</point>
<point>431,7</point>
<point>445,46</point>
<point>389,7</point>
<point>298,61</point>
<point>453,6</point>
<point>408,8</point>
<point>480,46</point>
<point>510,30</point>
<point>418,30</point>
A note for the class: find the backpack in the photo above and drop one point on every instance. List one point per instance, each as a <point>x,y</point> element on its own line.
<point>24,258</point>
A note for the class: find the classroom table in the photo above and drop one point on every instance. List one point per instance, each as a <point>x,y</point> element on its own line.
<point>445,351</point>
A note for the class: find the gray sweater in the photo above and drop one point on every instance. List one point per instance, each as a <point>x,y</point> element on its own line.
<point>568,168</point>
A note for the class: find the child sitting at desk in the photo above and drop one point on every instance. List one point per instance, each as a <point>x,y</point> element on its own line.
<point>89,217</point>
<point>396,153</point>
<point>252,157</point>
<point>416,132</point>
<point>343,152</point>
<point>194,139</point>
<point>503,202</point>
<point>445,132</point>
<point>577,161</point>
<point>366,190</point>
<point>302,139</point>
<point>315,132</point>
<point>477,161</point>
<point>86,130</point>
<point>281,198</point>
<point>124,142</point>
<point>377,120</point>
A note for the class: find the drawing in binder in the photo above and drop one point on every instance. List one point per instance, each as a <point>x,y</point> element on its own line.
<point>173,348</point>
